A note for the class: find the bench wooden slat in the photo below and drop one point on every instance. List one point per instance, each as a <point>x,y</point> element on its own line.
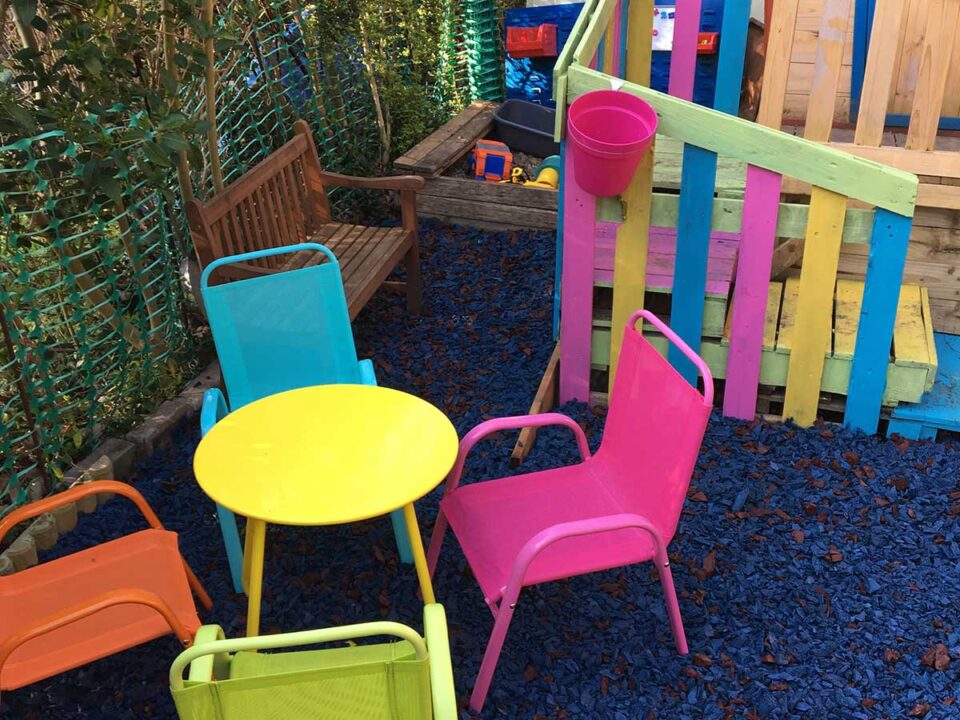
<point>282,202</point>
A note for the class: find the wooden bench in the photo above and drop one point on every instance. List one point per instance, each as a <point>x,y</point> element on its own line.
<point>282,201</point>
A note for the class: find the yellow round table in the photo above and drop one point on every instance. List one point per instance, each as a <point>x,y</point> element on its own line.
<point>325,455</point>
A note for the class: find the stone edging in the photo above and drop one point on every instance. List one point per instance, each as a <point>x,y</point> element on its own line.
<point>114,459</point>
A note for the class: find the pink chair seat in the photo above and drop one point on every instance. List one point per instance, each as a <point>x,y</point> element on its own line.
<point>494,519</point>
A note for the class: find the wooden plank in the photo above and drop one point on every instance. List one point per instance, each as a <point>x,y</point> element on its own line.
<point>599,20</point>
<point>565,58</point>
<point>770,149</point>
<point>544,401</point>
<point>616,61</point>
<point>846,317</point>
<point>777,67</point>
<point>815,305</point>
<point>934,68</point>
<point>937,162</point>
<point>751,292</point>
<point>909,334</point>
<point>909,55</point>
<point>450,142</point>
<point>788,315</point>
<point>502,195</point>
<point>878,78</point>
<point>486,212</point>
<point>785,256</point>
<point>823,92</point>
<point>630,258</point>
<point>576,309</point>
<point>771,317</point>
<point>888,250</point>
<point>928,333</point>
<point>683,57</point>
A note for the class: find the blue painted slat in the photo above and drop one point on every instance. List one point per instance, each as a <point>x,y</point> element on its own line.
<point>868,375</point>
<point>733,47</point>
<point>697,181</point>
<point>624,30</point>
<point>558,266</point>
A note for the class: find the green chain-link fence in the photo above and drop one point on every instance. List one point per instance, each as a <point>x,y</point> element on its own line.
<point>96,327</point>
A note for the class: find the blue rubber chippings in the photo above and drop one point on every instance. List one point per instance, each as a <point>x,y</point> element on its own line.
<point>818,570</point>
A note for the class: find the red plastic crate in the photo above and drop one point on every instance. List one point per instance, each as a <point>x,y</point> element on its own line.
<point>540,41</point>
<point>707,43</point>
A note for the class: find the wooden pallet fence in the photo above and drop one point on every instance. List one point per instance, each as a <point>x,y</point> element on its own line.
<point>758,220</point>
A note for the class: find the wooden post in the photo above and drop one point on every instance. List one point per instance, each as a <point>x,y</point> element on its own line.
<point>210,87</point>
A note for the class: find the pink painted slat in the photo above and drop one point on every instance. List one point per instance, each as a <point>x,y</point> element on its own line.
<point>761,204</point>
<point>661,258</point>
<point>617,33</point>
<point>683,59</point>
<point>576,303</point>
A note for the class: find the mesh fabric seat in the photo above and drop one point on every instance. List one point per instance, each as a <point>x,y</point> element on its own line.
<point>407,679</point>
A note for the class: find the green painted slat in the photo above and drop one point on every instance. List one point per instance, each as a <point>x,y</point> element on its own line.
<point>814,163</point>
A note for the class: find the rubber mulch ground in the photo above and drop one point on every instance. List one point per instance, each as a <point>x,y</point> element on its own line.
<point>817,569</point>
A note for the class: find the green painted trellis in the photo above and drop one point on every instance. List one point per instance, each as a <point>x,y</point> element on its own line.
<point>94,329</point>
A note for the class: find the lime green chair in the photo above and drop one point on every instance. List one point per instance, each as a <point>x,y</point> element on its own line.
<point>407,679</point>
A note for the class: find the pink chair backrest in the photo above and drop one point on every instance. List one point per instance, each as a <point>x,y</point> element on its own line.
<point>655,424</point>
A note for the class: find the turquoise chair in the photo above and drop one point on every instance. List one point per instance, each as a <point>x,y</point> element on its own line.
<point>277,332</point>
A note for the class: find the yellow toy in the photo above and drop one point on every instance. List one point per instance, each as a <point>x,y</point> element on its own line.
<point>548,175</point>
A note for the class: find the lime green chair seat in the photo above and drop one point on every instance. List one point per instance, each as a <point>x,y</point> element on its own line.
<point>409,678</point>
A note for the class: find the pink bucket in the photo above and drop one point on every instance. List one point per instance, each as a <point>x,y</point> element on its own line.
<point>608,133</point>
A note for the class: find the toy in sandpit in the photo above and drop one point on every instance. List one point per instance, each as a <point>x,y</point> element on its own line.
<point>547,175</point>
<point>491,160</point>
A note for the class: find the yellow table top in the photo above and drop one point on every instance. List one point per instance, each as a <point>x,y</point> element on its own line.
<point>326,455</point>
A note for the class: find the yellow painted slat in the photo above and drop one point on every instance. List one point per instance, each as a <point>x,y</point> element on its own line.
<point>608,50</point>
<point>909,336</point>
<point>630,255</point>
<point>788,314</point>
<point>639,42</point>
<point>773,315</point>
<point>928,332</point>
<point>846,317</point>
<point>774,293</point>
<point>814,321</point>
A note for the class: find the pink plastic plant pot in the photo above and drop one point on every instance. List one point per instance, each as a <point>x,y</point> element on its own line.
<point>608,133</point>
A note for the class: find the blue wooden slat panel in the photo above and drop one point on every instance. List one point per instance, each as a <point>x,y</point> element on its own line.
<point>733,48</point>
<point>697,181</point>
<point>868,375</point>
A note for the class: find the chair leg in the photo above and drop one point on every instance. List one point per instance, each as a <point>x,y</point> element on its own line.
<point>491,656</point>
<point>673,607</point>
<point>402,537</point>
<point>231,541</point>
<point>411,264</point>
<point>436,541</point>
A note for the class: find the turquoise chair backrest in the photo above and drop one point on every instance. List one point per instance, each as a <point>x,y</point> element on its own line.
<point>281,331</point>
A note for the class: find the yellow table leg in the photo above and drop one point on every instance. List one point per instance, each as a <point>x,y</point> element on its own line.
<point>419,557</point>
<point>253,560</point>
<point>245,576</point>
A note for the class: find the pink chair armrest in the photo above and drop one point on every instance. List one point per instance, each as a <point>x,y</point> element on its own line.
<point>689,352</point>
<point>515,422</point>
<point>550,535</point>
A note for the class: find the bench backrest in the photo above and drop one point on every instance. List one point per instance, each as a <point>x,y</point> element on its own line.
<point>279,202</point>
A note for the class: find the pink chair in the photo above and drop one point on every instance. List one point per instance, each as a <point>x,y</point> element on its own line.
<point>618,507</point>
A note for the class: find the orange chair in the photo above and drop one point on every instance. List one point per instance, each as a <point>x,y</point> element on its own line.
<point>96,602</point>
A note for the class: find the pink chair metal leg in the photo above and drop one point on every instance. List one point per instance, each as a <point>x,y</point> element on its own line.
<point>491,656</point>
<point>436,542</point>
<point>673,607</point>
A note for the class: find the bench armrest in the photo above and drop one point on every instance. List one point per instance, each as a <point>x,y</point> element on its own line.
<point>394,182</point>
